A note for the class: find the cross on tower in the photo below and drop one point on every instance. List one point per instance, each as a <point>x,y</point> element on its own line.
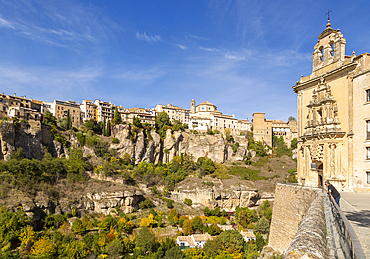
<point>328,13</point>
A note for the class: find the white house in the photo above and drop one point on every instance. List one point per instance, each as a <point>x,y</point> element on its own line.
<point>196,240</point>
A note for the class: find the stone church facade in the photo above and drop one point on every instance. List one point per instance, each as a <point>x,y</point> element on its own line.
<point>334,116</point>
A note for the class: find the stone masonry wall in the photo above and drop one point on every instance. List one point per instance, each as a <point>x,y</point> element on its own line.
<point>290,207</point>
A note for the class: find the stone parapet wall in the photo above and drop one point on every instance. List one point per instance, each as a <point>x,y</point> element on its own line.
<point>290,207</point>
<point>310,240</point>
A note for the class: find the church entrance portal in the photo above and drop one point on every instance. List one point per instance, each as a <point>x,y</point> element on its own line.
<point>320,176</point>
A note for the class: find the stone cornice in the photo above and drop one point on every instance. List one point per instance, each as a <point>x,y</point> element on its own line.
<point>303,85</point>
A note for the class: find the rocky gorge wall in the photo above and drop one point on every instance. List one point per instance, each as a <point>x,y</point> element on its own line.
<point>227,198</point>
<point>34,138</point>
<point>154,150</point>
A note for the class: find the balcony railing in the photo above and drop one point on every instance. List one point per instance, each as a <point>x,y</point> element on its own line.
<point>347,239</point>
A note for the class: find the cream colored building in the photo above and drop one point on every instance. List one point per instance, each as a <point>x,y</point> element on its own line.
<point>244,125</point>
<point>262,128</point>
<point>103,110</point>
<point>334,116</point>
<point>205,116</point>
<point>89,109</point>
<point>60,108</point>
<point>288,130</point>
<point>20,107</point>
<point>144,115</point>
<point>174,112</point>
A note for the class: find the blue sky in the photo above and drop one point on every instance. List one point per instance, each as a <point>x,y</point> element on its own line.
<point>242,56</point>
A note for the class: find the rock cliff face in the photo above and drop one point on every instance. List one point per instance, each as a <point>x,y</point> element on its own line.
<point>196,145</point>
<point>95,198</point>
<point>29,138</point>
<point>221,195</point>
<point>32,140</point>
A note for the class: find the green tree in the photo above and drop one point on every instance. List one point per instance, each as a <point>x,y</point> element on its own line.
<point>49,119</point>
<point>18,154</point>
<point>12,224</point>
<point>291,118</point>
<point>78,227</point>
<point>104,127</point>
<point>162,123</point>
<point>187,227</point>
<point>114,249</point>
<point>136,122</point>
<point>108,131</point>
<point>174,253</point>
<point>188,202</point>
<point>260,242</point>
<point>206,211</point>
<point>93,125</point>
<point>116,117</point>
<point>293,143</point>
<point>75,162</point>
<point>206,165</point>
<point>197,223</point>
<point>69,120</point>
<point>145,240</point>
<point>213,229</point>
<point>263,226</point>
<point>231,241</point>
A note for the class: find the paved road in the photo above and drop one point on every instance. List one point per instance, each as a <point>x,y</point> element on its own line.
<point>356,207</point>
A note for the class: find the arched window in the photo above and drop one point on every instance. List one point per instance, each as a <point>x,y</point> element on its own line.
<point>322,53</point>
<point>332,48</point>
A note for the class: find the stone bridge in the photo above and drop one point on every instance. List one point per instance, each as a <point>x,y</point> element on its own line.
<point>306,223</point>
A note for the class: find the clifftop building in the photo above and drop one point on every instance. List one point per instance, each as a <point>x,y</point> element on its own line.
<point>334,116</point>
<point>205,116</point>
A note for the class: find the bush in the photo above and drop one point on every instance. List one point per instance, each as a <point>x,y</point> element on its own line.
<point>81,138</point>
<point>170,203</point>
<point>188,202</point>
<point>115,140</point>
<point>147,203</point>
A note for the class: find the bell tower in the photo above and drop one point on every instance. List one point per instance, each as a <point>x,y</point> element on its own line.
<point>192,107</point>
<point>330,48</point>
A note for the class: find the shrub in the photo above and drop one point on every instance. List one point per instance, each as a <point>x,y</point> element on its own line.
<point>147,203</point>
<point>81,138</point>
<point>115,140</point>
<point>188,202</point>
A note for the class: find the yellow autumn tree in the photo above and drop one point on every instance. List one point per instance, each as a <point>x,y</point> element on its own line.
<point>76,250</point>
<point>144,222</point>
<point>125,225</point>
<point>27,234</point>
<point>147,222</point>
<point>43,248</point>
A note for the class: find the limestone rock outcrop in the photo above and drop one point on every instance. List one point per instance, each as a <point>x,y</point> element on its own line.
<point>151,149</point>
<point>225,198</point>
<point>14,136</point>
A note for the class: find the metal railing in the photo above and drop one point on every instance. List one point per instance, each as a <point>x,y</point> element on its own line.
<point>348,241</point>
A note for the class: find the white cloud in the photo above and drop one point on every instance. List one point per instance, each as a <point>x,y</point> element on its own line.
<point>182,46</point>
<point>148,38</point>
<point>48,83</point>
<point>208,49</point>
<point>197,37</point>
<point>235,57</point>
<point>5,23</point>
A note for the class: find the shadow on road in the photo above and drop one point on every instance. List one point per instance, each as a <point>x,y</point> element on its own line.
<point>361,218</point>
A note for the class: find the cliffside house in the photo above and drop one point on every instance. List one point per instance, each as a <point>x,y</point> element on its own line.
<point>195,240</point>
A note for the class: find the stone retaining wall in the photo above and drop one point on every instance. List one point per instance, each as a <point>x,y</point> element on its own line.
<point>290,207</point>
<point>310,240</point>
